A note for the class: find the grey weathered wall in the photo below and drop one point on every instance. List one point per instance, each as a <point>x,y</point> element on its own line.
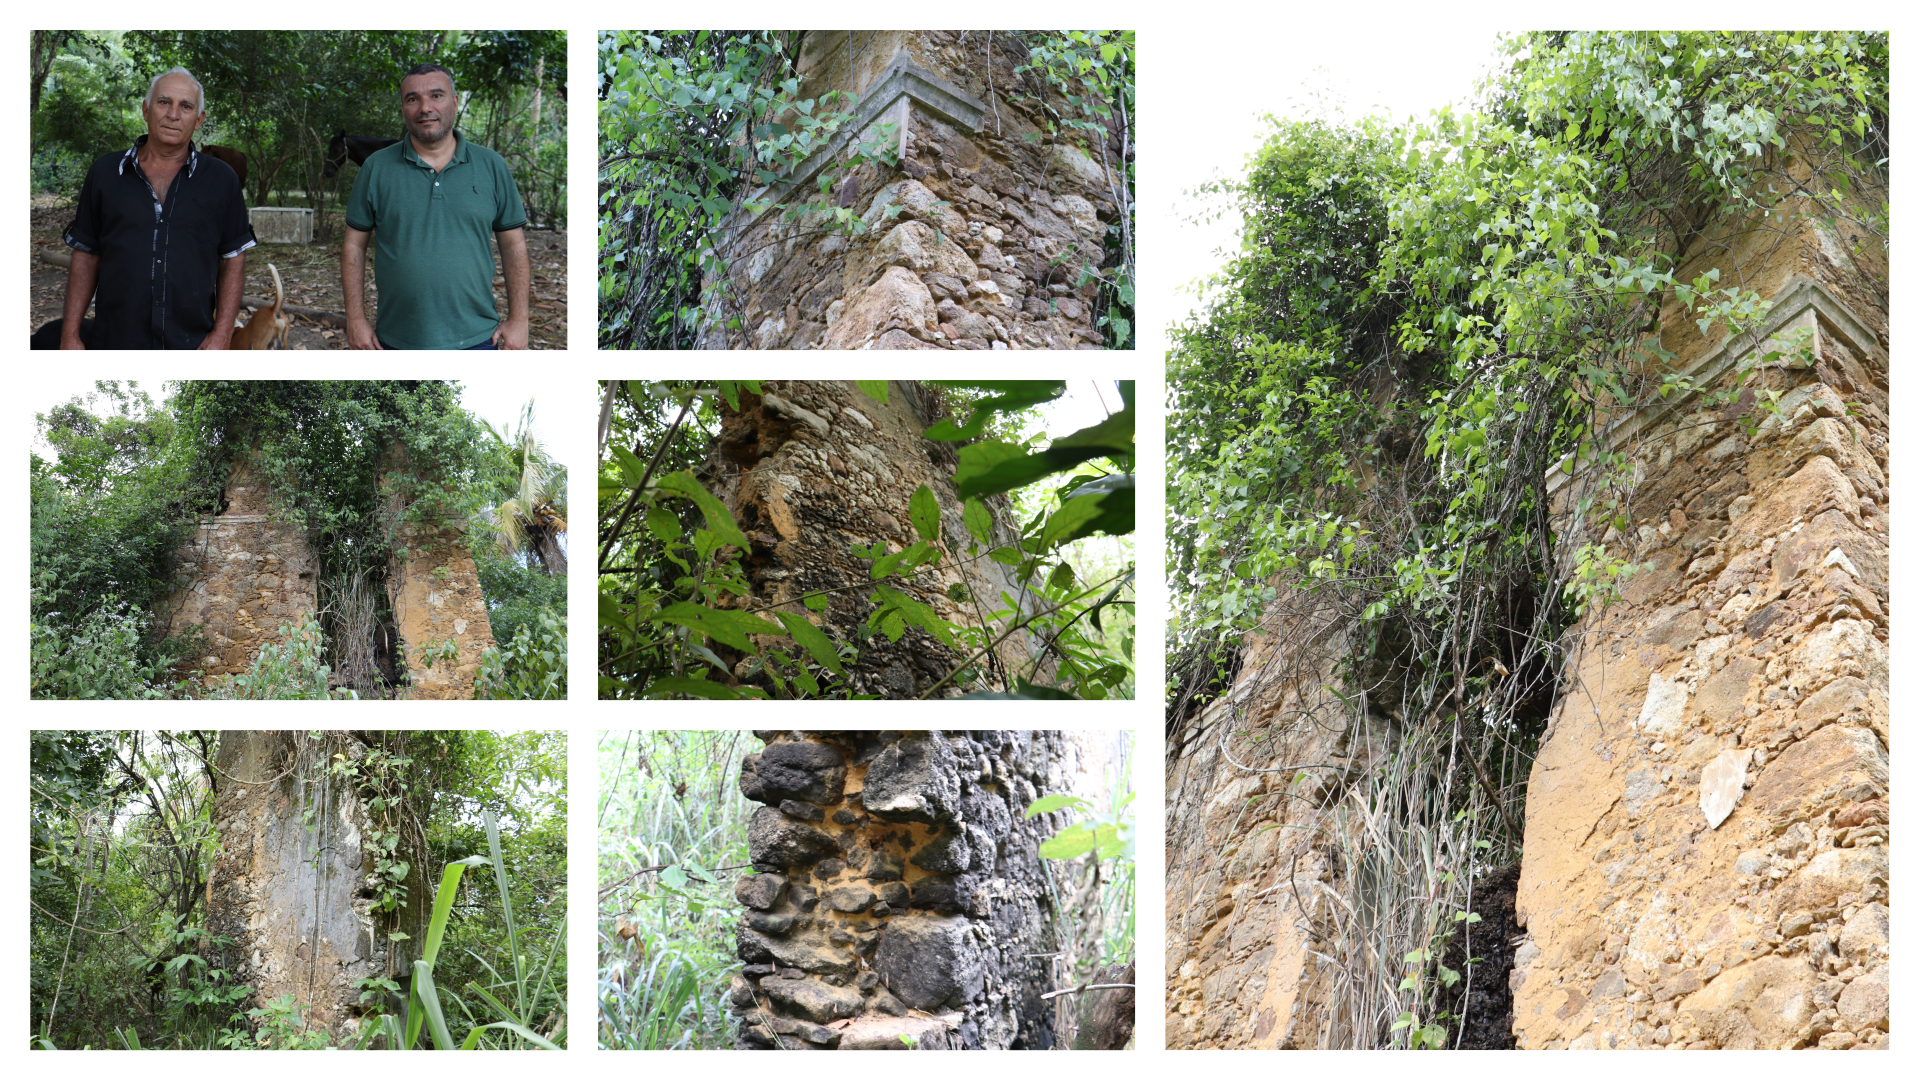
<point>897,889</point>
<point>291,894</point>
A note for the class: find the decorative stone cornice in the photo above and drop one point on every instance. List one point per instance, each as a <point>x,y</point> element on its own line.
<point>1803,304</point>
<point>903,83</point>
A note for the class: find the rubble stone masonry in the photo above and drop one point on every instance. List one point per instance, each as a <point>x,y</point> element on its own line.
<point>994,218</point>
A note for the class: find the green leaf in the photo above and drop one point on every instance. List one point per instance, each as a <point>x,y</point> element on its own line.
<point>631,467</point>
<point>814,640</point>
<point>1009,396</point>
<point>674,877</point>
<point>978,519</point>
<point>1048,804</point>
<point>728,627</point>
<point>924,511</point>
<point>719,518</point>
<point>700,688</point>
<point>873,388</point>
<point>662,523</point>
<point>915,612</point>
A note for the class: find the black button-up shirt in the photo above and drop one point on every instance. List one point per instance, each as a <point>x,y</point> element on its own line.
<point>159,264</point>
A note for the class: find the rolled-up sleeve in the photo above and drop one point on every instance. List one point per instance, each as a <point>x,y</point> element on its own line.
<point>508,213</point>
<point>236,227</point>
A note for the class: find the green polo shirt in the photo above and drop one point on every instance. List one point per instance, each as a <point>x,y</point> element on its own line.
<point>433,241</point>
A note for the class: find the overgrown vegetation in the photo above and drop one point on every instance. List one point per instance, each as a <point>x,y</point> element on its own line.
<point>123,844</point>
<point>1424,321</point>
<point>673,590</point>
<point>280,96</point>
<point>127,479</point>
<point>695,126</point>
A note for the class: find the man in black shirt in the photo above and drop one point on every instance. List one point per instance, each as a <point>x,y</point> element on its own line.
<point>158,237</point>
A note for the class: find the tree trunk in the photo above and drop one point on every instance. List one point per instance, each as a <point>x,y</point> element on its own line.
<point>290,887</point>
<point>899,898</point>
<point>546,544</point>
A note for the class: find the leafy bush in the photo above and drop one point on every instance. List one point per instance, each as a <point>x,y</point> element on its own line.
<point>531,668</point>
<point>100,657</point>
<point>295,669</point>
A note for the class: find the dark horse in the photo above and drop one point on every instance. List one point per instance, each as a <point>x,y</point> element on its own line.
<point>357,147</point>
<point>234,158</point>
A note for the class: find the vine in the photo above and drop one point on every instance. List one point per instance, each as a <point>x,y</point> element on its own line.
<point>1424,322</point>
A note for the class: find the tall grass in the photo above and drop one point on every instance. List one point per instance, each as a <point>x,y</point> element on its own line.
<point>673,838</point>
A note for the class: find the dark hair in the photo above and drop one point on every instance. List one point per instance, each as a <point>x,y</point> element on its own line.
<point>423,69</point>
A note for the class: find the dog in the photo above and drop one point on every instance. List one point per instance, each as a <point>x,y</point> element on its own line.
<point>268,327</point>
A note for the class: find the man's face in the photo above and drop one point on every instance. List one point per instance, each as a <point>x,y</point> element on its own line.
<point>427,106</point>
<point>174,114</point>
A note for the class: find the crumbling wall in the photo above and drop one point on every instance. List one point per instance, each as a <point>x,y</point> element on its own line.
<point>1247,862</point>
<point>898,891</point>
<point>436,596</point>
<point>1707,838</point>
<point>289,886</point>
<point>811,468</point>
<point>246,575</point>
<point>995,217</point>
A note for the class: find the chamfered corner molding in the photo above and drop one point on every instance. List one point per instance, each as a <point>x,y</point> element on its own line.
<point>1802,304</point>
<point>902,85</point>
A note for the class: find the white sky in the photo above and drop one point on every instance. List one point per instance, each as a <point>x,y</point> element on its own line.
<point>1381,63</point>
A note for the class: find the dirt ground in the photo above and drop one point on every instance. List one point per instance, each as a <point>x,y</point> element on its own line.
<point>311,275</point>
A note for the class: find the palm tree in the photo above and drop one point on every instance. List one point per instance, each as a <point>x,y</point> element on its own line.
<point>535,517</point>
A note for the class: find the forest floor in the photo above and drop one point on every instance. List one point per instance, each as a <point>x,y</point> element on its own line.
<point>311,276</point>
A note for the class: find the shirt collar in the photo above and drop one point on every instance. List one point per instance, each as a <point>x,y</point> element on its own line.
<point>459,149</point>
<point>132,156</point>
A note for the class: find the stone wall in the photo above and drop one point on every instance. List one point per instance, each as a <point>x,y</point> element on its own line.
<point>435,591</point>
<point>994,219</point>
<point>811,468</point>
<point>897,889</point>
<point>1707,838</point>
<point>1247,859</point>
<point>246,575</point>
<point>291,894</point>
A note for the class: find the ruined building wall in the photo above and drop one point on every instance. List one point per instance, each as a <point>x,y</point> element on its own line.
<point>992,229</point>
<point>245,575</point>
<point>292,893</point>
<point>811,468</point>
<point>897,889</point>
<point>1706,858</point>
<point>436,596</point>
<point>1247,861</point>
<point>1706,838</point>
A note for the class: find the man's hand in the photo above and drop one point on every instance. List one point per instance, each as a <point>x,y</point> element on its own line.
<point>360,334</point>
<point>233,281</point>
<point>353,279</point>
<point>514,265</point>
<point>511,334</point>
<point>220,338</point>
<point>82,275</point>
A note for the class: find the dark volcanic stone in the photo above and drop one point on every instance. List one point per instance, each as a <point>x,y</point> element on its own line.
<point>928,961</point>
<point>760,891</point>
<point>802,811</point>
<point>944,854</point>
<point>807,771</point>
<point>851,899</point>
<point>844,816</point>
<point>774,839</point>
<point>814,999</point>
<point>776,925</point>
<point>805,896</point>
<point>945,895</point>
<point>884,866</point>
<point>893,894</point>
<point>915,779</point>
<point>829,868</point>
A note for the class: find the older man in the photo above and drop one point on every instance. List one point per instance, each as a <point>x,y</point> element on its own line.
<point>158,236</point>
<point>431,201</point>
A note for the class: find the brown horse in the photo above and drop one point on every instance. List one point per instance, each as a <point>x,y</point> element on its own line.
<point>235,159</point>
<point>357,147</point>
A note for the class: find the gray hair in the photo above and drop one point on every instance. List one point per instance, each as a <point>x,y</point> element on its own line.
<point>177,70</point>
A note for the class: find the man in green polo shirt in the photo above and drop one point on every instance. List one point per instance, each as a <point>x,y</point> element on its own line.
<point>430,201</point>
